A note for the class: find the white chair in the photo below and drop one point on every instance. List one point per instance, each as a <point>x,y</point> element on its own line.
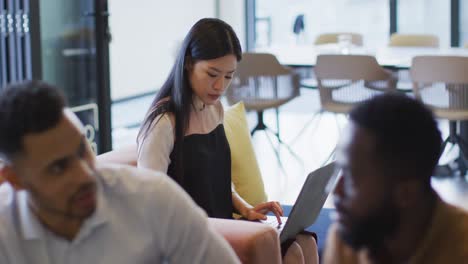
<point>262,83</point>
<point>441,82</point>
<point>346,80</point>
<point>411,40</point>
<point>310,82</point>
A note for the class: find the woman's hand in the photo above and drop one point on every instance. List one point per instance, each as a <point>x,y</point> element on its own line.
<point>259,212</point>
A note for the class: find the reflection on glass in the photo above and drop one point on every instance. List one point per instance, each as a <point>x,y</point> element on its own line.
<point>68,48</point>
<point>69,57</point>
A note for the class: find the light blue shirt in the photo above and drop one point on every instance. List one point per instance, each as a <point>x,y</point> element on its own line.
<point>142,216</point>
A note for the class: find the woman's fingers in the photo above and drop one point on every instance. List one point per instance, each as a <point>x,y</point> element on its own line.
<point>253,215</point>
<point>277,214</point>
<point>278,207</point>
<point>273,207</point>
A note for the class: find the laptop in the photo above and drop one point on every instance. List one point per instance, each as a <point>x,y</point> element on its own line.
<point>310,201</point>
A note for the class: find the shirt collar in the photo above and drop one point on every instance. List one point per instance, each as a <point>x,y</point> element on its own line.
<point>32,229</point>
<point>98,218</point>
<point>29,224</point>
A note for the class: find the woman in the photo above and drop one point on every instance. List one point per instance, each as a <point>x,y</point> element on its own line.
<point>183,132</point>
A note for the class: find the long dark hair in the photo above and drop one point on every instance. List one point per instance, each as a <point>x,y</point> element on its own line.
<point>208,39</point>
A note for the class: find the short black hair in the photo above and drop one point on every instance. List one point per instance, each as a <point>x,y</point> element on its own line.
<point>27,107</point>
<point>408,141</point>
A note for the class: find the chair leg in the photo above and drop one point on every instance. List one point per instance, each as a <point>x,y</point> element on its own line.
<point>261,126</point>
<point>318,115</point>
<point>330,157</point>
<point>461,161</point>
<point>463,158</point>
<point>281,142</point>
<point>444,145</point>
<point>451,138</point>
<point>277,123</point>
<point>463,146</point>
<point>462,167</point>
<point>276,152</point>
<point>260,123</point>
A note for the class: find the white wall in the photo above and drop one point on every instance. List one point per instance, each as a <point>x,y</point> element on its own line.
<point>144,36</point>
<point>233,12</point>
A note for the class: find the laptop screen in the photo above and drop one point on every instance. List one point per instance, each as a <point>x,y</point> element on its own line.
<point>310,201</point>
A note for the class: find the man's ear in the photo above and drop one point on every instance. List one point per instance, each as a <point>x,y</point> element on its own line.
<point>7,172</point>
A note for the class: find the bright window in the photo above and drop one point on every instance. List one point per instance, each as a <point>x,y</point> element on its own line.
<point>275,20</point>
<point>425,17</point>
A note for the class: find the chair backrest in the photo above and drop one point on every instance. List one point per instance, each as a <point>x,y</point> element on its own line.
<point>441,82</point>
<point>259,64</point>
<point>346,80</point>
<point>261,82</point>
<point>351,67</point>
<point>327,38</point>
<point>446,69</point>
<point>413,40</point>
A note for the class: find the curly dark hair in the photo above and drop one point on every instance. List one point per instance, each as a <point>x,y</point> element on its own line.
<point>408,141</point>
<point>27,107</point>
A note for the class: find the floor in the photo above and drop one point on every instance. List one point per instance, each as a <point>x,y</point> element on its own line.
<point>283,177</point>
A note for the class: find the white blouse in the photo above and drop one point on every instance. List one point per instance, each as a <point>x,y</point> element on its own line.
<point>155,149</point>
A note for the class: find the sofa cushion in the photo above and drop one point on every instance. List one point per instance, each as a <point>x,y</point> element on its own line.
<point>246,174</point>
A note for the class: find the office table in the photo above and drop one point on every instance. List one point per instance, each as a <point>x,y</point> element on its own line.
<point>389,57</point>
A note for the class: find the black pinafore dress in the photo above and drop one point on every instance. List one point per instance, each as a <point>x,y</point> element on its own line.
<point>207,171</point>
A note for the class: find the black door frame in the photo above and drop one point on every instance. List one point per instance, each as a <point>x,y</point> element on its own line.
<point>102,36</point>
<point>103,76</point>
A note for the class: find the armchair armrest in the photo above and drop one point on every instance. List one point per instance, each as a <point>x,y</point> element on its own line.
<point>126,155</point>
<point>252,242</point>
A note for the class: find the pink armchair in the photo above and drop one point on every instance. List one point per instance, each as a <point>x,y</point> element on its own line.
<point>252,242</point>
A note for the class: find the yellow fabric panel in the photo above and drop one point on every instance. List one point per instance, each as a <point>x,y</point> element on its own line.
<point>246,174</point>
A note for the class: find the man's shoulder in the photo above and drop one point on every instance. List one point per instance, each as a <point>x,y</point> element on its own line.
<point>450,240</point>
<point>124,178</point>
<point>457,220</point>
<point>141,190</point>
<point>336,251</point>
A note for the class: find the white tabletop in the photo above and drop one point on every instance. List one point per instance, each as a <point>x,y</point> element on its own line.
<point>397,57</point>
